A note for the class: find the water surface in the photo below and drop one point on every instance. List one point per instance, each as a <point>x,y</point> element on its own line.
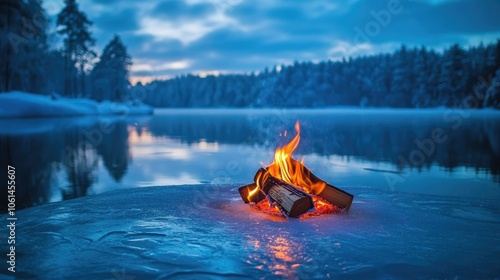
<point>437,152</point>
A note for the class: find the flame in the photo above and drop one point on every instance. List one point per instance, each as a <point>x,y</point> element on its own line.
<point>286,168</point>
<point>290,170</point>
<point>257,188</point>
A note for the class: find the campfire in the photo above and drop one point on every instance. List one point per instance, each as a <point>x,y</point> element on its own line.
<point>287,188</point>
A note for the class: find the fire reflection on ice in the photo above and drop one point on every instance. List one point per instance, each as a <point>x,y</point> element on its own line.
<point>276,254</point>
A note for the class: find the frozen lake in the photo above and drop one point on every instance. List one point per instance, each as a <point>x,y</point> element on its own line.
<point>205,232</point>
<point>426,186</point>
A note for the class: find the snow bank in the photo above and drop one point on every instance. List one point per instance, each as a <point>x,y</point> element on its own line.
<point>23,105</point>
<point>206,232</point>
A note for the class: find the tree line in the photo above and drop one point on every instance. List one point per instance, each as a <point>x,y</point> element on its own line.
<point>408,77</point>
<point>34,59</point>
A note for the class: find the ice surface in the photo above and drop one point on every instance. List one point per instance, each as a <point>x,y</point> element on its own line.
<point>206,232</point>
<point>20,105</point>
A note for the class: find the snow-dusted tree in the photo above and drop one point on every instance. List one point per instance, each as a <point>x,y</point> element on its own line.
<point>110,75</point>
<point>23,45</point>
<point>492,98</point>
<point>421,96</point>
<point>401,89</point>
<point>434,60</point>
<point>492,55</point>
<point>381,81</point>
<point>453,79</point>
<point>78,42</point>
<point>405,78</point>
<point>497,54</point>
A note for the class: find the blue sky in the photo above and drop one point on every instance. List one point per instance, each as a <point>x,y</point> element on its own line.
<point>172,37</point>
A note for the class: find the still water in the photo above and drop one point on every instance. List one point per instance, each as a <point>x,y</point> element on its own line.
<point>437,152</point>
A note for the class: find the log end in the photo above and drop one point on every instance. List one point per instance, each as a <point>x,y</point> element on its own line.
<point>337,197</point>
<point>246,189</point>
<point>301,206</point>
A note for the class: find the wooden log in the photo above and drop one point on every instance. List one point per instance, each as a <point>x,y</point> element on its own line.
<point>292,201</point>
<point>337,197</point>
<point>254,198</point>
<point>330,193</point>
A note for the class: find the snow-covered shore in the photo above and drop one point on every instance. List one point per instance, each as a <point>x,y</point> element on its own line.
<point>27,105</point>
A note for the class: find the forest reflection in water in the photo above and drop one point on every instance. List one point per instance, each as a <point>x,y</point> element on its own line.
<point>58,159</point>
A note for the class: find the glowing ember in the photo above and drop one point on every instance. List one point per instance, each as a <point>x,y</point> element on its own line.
<point>266,207</point>
<point>321,207</point>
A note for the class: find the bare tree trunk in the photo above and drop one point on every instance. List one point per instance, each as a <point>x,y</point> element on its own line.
<point>66,74</point>
<point>82,82</point>
<point>72,82</point>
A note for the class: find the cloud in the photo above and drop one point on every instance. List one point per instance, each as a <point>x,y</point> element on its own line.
<point>149,66</point>
<point>185,31</point>
<point>344,49</point>
<point>168,38</point>
<point>185,21</point>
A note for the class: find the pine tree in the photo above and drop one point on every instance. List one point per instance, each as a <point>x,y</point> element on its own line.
<point>497,54</point>
<point>421,97</point>
<point>493,92</point>
<point>110,75</point>
<point>78,42</point>
<point>400,84</point>
<point>382,81</point>
<point>434,60</point>
<point>406,78</point>
<point>23,46</point>
<point>453,79</point>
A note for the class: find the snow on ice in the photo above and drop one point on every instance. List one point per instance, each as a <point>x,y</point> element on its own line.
<point>206,232</point>
<point>23,105</point>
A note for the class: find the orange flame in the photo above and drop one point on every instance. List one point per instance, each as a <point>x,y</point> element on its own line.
<point>286,168</point>
<point>254,191</point>
<point>292,171</point>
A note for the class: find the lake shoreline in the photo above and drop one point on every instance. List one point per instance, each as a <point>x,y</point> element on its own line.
<point>321,110</point>
<point>23,105</point>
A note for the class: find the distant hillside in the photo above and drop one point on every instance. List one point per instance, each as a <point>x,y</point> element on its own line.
<point>409,77</point>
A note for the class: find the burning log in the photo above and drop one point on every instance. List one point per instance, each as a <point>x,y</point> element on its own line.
<point>337,197</point>
<point>251,193</point>
<point>330,193</point>
<point>293,202</point>
<point>293,187</point>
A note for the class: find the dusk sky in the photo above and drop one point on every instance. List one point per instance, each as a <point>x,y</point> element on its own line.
<point>169,38</point>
